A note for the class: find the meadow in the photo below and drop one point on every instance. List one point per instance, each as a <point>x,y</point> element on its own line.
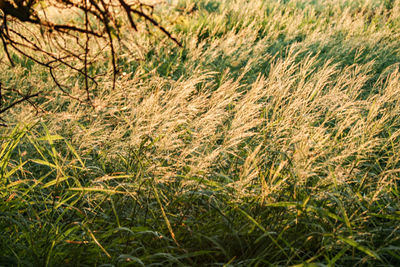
<point>272,137</point>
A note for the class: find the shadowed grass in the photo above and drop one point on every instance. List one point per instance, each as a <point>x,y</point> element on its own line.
<point>270,138</point>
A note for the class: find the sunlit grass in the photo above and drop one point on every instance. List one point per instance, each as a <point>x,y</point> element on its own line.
<point>270,138</point>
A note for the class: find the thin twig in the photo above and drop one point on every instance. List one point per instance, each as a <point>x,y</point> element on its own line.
<point>26,42</point>
<point>18,101</point>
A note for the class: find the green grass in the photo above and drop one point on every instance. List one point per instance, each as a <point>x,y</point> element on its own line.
<point>271,138</point>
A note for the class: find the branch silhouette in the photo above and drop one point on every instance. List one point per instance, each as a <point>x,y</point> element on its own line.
<point>20,20</point>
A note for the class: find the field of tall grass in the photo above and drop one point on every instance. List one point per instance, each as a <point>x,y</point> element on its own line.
<point>272,137</point>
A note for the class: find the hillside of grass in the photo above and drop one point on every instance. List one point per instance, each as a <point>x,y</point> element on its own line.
<point>272,137</point>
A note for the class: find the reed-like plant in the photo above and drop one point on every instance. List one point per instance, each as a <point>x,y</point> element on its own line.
<point>270,138</point>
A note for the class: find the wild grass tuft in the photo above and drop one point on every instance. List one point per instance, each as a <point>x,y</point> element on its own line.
<point>271,138</point>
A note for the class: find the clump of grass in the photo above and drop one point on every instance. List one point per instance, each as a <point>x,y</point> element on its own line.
<point>270,138</point>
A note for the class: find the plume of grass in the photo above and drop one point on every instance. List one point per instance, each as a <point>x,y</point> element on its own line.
<point>270,138</point>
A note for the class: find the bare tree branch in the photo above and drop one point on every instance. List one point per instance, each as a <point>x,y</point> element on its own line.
<point>52,49</point>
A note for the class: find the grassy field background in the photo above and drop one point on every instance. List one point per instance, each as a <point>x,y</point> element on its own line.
<point>271,138</point>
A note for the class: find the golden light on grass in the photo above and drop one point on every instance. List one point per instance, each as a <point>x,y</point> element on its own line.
<point>270,138</point>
